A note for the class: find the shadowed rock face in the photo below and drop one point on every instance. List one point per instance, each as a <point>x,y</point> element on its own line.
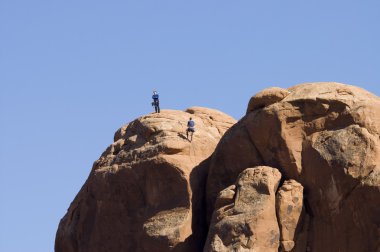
<point>145,192</point>
<point>325,136</point>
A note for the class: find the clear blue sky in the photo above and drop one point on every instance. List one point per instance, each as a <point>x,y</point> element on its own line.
<point>72,72</point>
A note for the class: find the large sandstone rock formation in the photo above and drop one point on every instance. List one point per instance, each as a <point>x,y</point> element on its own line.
<point>145,192</point>
<point>299,172</point>
<point>326,136</point>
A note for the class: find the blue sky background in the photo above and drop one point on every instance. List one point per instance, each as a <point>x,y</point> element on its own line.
<point>72,72</point>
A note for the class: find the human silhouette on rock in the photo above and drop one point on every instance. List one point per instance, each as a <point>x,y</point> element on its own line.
<point>190,129</point>
<point>156,102</point>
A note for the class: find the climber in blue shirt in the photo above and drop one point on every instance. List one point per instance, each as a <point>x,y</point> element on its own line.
<point>190,128</point>
<point>156,102</point>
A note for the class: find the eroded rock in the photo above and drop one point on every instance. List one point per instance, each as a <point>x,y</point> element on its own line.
<point>326,136</point>
<point>249,222</point>
<point>266,97</point>
<point>147,190</point>
<point>289,206</point>
<point>145,193</point>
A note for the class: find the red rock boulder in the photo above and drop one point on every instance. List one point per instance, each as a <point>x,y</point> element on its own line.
<point>145,192</point>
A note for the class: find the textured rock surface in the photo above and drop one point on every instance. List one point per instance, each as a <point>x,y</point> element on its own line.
<point>249,222</point>
<point>326,137</point>
<point>289,206</point>
<point>266,97</point>
<point>145,192</point>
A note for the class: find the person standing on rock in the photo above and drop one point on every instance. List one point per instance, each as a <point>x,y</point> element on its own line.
<point>156,102</point>
<point>190,128</point>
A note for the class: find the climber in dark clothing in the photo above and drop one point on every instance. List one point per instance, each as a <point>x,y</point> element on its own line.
<point>190,128</point>
<point>156,102</point>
